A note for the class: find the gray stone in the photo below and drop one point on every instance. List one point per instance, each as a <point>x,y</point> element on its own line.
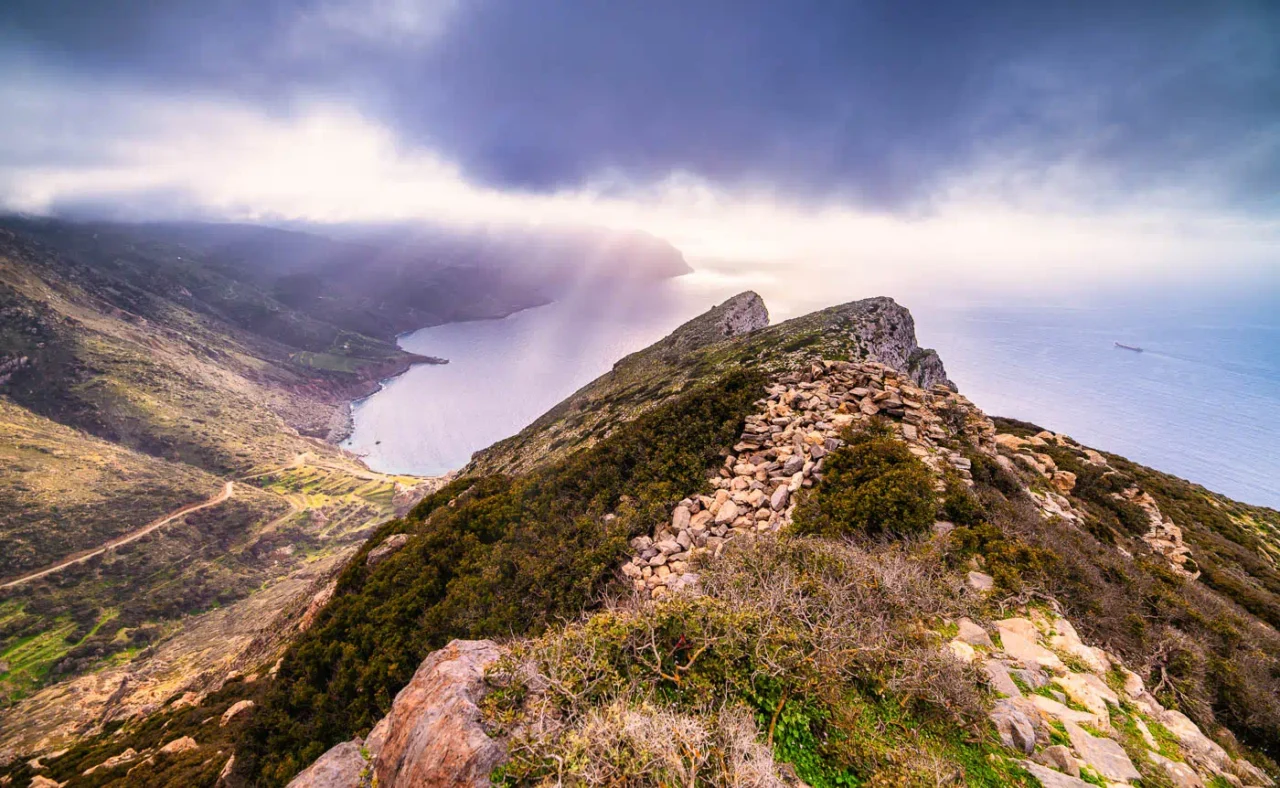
<point>237,709</point>
<point>981,582</point>
<point>1015,727</point>
<point>1180,774</point>
<point>1059,757</point>
<point>1051,779</point>
<point>780,498</point>
<point>1104,755</point>
<point>680,518</point>
<point>670,546</point>
<point>973,634</point>
<point>341,767</point>
<point>383,551</point>
<point>727,513</point>
<point>998,678</point>
<point>793,465</point>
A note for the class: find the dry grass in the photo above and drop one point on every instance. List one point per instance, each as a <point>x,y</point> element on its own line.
<point>795,646</point>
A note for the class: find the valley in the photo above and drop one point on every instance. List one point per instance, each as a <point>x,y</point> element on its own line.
<point>170,491</point>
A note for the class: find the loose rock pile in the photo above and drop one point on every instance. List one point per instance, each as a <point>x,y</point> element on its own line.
<point>782,450</point>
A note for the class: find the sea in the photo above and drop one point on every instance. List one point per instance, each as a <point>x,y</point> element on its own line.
<point>1201,400</point>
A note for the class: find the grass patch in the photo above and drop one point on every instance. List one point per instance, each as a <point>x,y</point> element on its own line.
<point>814,642</point>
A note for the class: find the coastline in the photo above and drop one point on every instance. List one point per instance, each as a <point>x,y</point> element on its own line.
<point>342,423</point>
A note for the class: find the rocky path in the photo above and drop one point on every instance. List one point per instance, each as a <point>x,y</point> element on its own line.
<point>783,449</point>
<point>81,557</point>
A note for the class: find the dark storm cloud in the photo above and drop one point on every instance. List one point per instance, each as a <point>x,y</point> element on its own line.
<point>878,102</point>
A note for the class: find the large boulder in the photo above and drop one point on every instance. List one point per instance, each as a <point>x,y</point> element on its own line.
<point>383,551</point>
<point>433,736</point>
<point>343,766</point>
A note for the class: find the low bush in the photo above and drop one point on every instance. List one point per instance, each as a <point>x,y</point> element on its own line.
<point>872,485</point>
<point>807,651</point>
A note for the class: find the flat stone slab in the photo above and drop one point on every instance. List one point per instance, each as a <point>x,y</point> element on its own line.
<point>1051,779</point>
<point>1022,646</point>
<point>1058,711</point>
<point>1104,755</point>
<point>998,678</point>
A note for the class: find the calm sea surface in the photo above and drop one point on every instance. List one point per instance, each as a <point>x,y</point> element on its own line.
<point>1202,401</point>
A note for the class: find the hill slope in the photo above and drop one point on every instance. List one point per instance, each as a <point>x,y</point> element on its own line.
<point>759,555</point>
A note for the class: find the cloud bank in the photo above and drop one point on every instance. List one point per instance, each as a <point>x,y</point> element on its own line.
<point>1076,135</point>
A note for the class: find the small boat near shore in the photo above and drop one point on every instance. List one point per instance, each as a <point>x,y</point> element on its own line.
<point>1134,348</point>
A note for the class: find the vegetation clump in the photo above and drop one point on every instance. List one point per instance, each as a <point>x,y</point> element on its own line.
<point>871,485</point>
<point>489,556</point>
<point>804,651</point>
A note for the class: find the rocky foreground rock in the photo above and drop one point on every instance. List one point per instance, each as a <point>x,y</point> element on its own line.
<point>431,738</point>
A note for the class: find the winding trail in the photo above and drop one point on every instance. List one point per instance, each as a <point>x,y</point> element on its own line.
<point>81,557</point>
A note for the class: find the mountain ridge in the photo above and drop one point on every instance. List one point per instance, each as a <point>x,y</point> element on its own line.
<point>689,445</point>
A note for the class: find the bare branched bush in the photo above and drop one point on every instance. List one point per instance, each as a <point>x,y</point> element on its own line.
<point>860,611</point>
<point>623,744</point>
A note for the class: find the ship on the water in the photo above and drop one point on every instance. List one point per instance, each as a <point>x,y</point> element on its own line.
<point>1134,348</point>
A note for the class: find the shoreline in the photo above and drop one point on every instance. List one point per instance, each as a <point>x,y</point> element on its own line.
<point>342,424</point>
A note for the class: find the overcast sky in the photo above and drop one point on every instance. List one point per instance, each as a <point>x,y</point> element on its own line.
<point>1144,135</point>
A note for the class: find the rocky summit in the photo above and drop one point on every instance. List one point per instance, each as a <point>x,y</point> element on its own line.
<point>759,555</point>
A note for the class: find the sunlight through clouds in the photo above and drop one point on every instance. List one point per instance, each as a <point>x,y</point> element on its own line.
<point>327,163</point>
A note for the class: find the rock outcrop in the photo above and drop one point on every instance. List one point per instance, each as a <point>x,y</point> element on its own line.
<point>431,738</point>
<point>737,316</point>
<point>383,551</point>
<point>343,766</point>
<point>1039,650</point>
<point>1163,537</point>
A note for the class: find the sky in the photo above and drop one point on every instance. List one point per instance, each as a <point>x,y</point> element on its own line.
<point>1058,143</point>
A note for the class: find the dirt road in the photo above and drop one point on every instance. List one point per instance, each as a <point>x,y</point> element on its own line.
<point>123,540</point>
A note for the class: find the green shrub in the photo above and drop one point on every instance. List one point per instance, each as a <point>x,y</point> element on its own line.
<point>489,556</point>
<point>871,485</point>
<point>1006,558</point>
<point>961,506</point>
